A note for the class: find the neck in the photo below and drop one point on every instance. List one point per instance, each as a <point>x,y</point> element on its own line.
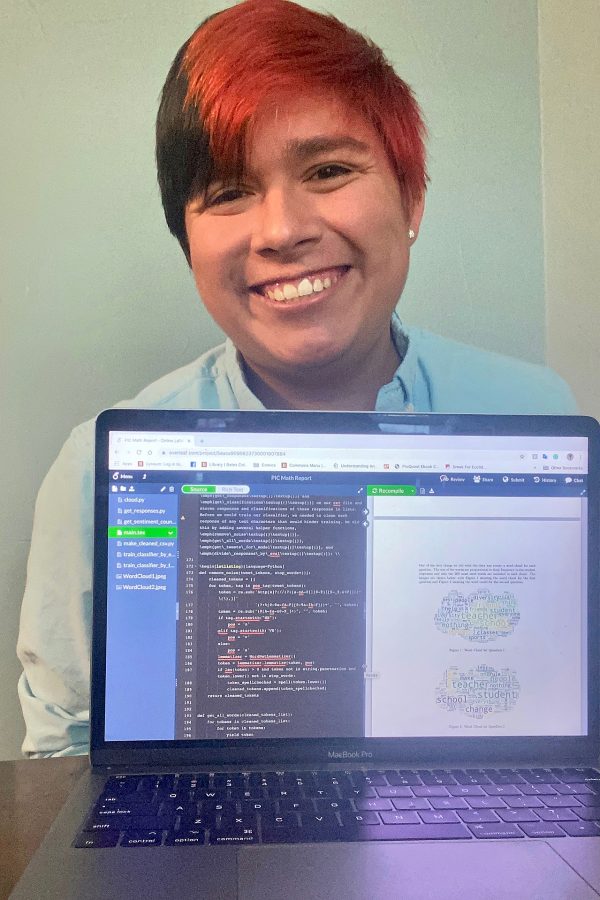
<point>335,386</point>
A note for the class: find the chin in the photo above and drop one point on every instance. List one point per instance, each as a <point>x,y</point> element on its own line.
<point>307,359</point>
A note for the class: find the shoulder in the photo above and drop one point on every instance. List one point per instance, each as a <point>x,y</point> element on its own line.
<point>462,378</point>
<point>194,385</point>
<point>203,383</point>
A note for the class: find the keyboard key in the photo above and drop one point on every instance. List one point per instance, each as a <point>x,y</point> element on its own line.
<point>518,815</point>
<point>434,816</point>
<point>116,812</point>
<point>589,799</point>
<point>449,803</point>
<point>94,827</point>
<point>536,790</point>
<point>190,836</point>
<point>319,820</point>
<point>142,839</point>
<point>523,802</point>
<point>129,801</point>
<point>403,778</point>
<point>257,806</point>
<point>363,818</point>
<point>504,776</point>
<point>486,803</point>
<point>170,808</point>
<point>538,776</point>
<point>410,803</point>
<point>122,783</point>
<point>589,813</point>
<point>395,791</point>
<point>431,791</point>
<point>341,783</point>
<point>285,820</point>
<point>422,832</point>
<point>400,818</point>
<point>502,790</point>
<point>470,777</point>
<point>375,778</point>
<point>363,792</point>
<point>246,793</point>
<point>542,829</point>
<point>432,778</point>
<point>465,790</point>
<point>496,830</point>
<point>377,803</point>
<point>331,805</point>
<point>128,823</point>
<point>581,829</point>
<point>574,776</point>
<point>238,835</point>
<point>242,820</point>
<point>477,815</point>
<point>227,807</point>
<point>325,793</point>
<point>224,780</point>
<point>97,839</point>
<point>560,802</point>
<point>556,815</point>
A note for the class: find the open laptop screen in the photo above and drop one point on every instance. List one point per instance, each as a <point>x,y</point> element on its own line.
<point>401,582</point>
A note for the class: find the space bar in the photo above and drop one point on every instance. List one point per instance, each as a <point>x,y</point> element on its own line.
<point>412,832</point>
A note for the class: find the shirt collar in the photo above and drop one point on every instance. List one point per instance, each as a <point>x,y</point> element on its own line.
<point>401,392</point>
<point>234,369</point>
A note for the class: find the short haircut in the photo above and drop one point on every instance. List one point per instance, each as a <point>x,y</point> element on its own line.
<point>239,60</point>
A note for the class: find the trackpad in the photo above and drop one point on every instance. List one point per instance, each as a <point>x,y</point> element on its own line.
<point>448,871</point>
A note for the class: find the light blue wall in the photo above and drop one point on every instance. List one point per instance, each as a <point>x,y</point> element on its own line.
<point>95,297</point>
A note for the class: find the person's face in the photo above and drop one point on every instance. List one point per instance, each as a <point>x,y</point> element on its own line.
<point>302,263</point>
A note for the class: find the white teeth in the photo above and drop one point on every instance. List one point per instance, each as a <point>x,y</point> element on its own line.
<point>305,288</point>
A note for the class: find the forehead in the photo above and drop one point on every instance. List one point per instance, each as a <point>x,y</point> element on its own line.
<point>297,129</point>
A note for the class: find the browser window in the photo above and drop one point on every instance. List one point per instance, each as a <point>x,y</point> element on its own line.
<point>351,586</point>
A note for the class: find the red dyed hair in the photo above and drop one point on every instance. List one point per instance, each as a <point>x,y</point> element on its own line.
<point>260,50</point>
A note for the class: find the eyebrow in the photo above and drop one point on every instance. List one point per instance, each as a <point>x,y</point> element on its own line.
<point>303,150</point>
<point>319,145</point>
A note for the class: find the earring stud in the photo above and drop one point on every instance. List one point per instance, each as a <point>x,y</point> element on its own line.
<point>411,235</point>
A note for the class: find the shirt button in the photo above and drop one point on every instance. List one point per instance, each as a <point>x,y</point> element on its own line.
<point>409,407</point>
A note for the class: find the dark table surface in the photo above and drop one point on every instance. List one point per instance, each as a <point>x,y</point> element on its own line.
<point>32,791</point>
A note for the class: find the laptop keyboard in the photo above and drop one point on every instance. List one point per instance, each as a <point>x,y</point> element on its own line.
<point>309,806</point>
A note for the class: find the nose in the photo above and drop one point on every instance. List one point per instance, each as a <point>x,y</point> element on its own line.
<point>285,223</point>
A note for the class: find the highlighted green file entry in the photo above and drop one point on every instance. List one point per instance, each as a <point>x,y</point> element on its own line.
<point>119,531</point>
<point>198,488</point>
<point>391,490</point>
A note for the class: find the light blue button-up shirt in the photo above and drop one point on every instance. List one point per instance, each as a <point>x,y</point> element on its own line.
<point>436,375</point>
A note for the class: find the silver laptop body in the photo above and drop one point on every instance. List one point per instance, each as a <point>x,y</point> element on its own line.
<point>328,598</point>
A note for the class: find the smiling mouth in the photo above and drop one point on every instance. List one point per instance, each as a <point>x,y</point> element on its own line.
<point>306,285</point>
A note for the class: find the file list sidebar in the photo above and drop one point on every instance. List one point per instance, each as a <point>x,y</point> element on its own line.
<point>271,628</point>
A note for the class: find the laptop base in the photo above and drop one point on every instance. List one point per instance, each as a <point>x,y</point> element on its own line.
<point>502,870</point>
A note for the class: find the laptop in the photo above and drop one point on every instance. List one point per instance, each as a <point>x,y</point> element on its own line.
<point>345,655</point>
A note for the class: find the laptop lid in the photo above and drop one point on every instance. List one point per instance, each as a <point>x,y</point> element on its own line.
<point>298,587</point>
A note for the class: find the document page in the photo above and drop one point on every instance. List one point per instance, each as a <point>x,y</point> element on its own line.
<point>477,617</point>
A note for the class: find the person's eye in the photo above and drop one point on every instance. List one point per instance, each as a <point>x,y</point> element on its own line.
<point>331,170</point>
<point>226,195</point>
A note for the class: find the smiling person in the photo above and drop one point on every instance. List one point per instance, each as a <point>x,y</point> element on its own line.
<point>291,165</point>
